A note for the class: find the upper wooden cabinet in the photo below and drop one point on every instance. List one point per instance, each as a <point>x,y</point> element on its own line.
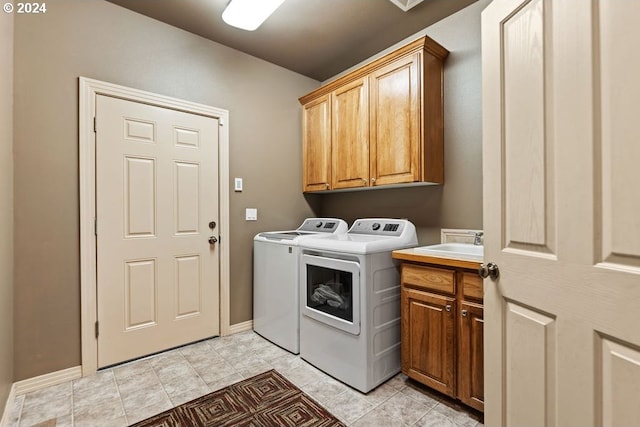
<point>382,123</point>
<point>316,148</point>
<point>350,135</point>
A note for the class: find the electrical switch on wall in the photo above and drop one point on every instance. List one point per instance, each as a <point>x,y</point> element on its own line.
<point>237,184</point>
<point>251,214</point>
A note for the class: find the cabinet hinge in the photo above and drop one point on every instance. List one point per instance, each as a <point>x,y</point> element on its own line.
<point>97,329</point>
<point>95,125</point>
<point>95,226</point>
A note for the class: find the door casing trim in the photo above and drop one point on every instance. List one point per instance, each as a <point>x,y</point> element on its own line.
<point>89,89</point>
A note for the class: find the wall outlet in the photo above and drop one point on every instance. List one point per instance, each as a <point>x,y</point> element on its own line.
<point>251,214</point>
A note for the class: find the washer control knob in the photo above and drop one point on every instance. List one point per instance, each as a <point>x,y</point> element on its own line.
<point>318,224</point>
<point>375,226</point>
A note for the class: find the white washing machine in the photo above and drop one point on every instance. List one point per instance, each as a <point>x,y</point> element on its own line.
<point>276,290</point>
<point>350,301</point>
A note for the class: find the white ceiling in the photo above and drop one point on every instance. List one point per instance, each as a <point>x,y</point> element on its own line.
<point>316,38</point>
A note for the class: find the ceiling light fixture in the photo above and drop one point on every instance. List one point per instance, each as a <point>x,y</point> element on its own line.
<point>249,14</point>
<point>405,5</point>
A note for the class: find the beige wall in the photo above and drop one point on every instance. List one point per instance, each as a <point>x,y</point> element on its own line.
<point>457,203</point>
<point>6,207</point>
<point>100,40</point>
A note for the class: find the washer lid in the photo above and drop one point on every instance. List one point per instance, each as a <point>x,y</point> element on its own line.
<point>284,235</point>
<point>310,227</point>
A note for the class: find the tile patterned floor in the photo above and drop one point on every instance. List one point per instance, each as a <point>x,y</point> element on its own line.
<point>131,392</point>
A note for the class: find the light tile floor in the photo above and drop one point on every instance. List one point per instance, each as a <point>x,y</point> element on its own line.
<point>131,392</point>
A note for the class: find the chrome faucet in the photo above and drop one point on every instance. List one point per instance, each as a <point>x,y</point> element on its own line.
<point>478,239</point>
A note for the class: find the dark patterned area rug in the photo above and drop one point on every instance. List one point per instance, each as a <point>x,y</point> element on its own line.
<point>266,400</point>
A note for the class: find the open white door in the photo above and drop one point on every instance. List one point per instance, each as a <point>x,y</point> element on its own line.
<point>157,208</point>
<point>561,135</point>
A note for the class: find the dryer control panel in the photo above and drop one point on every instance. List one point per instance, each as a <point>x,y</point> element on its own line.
<point>378,226</point>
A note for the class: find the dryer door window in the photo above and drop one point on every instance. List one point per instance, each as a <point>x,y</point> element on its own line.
<point>331,293</point>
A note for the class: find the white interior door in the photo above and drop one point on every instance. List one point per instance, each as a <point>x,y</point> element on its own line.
<point>562,212</point>
<point>156,193</point>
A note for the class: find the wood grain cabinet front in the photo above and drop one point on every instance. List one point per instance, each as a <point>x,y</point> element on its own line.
<point>316,148</point>
<point>442,330</point>
<point>386,122</point>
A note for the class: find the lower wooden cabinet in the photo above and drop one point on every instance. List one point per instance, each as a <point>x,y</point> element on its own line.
<point>442,327</point>
<point>428,324</point>
<point>470,356</point>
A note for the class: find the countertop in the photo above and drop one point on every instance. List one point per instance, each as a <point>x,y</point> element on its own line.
<point>417,256</point>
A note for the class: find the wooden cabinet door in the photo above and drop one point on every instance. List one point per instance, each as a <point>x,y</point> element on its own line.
<point>395,122</point>
<point>316,145</point>
<point>428,339</point>
<point>471,355</point>
<point>350,135</point>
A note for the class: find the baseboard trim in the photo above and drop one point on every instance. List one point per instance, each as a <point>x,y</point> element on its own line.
<point>8,407</point>
<point>47,380</point>
<point>241,327</point>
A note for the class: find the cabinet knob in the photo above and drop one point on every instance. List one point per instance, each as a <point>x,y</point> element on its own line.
<point>448,307</point>
<point>327,185</point>
<point>373,180</point>
<point>364,180</point>
<point>464,313</point>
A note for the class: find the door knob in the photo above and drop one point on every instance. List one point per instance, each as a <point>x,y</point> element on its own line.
<point>489,270</point>
<point>212,240</point>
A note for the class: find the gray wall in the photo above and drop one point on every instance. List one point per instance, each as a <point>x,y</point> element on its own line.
<point>457,203</point>
<point>6,207</point>
<point>103,41</point>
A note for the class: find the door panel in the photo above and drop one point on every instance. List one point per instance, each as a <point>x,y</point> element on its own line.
<point>560,215</point>
<point>528,165</point>
<point>619,91</point>
<point>471,355</point>
<point>316,144</point>
<point>141,288</point>
<point>530,352</point>
<point>427,337</point>
<point>140,197</point>
<point>350,135</point>
<point>395,122</point>
<point>156,191</point>
<point>619,373</point>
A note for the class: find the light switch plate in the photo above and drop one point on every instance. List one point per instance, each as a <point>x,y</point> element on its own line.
<point>237,184</point>
<point>251,214</point>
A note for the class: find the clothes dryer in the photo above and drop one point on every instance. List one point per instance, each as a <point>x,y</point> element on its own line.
<point>350,301</point>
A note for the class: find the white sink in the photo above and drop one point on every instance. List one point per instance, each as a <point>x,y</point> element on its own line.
<point>464,251</point>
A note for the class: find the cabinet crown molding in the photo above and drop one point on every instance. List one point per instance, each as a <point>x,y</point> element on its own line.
<point>424,44</point>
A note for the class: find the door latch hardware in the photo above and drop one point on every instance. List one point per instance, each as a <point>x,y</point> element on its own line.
<point>489,270</point>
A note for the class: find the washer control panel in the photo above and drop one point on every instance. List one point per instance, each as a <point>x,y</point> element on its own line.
<point>321,225</point>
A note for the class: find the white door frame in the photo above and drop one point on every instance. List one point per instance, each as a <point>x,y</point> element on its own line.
<point>89,90</point>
